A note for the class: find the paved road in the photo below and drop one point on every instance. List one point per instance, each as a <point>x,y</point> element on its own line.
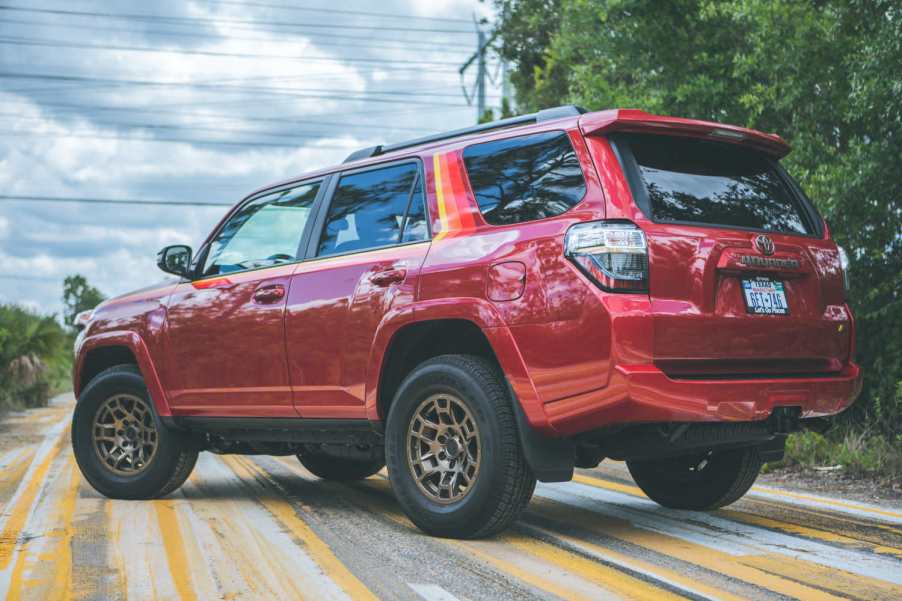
<point>264,528</point>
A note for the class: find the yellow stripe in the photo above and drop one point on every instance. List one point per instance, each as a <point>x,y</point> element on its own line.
<point>13,473</point>
<point>440,197</point>
<point>175,549</point>
<point>822,501</point>
<point>61,556</point>
<point>592,571</point>
<point>651,569</point>
<point>712,559</point>
<point>19,513</point>
<point>755,520</point>
<point>318,550</point>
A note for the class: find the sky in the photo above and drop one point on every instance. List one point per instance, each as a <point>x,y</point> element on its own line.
<point>198,101</point>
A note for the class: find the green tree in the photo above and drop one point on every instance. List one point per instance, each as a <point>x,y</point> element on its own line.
<point>824,74</point>
<point>33,353</point>
<point>78,296</point>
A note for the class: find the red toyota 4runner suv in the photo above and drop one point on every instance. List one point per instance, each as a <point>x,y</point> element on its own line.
<point>484,308</point>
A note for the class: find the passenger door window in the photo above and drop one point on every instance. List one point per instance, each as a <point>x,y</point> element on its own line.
<point>370,208</point>
<point>264,232</point>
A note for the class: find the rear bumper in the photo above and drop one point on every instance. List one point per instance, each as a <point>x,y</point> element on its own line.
<point>644,393</point>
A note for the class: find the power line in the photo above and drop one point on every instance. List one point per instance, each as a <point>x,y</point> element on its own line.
<point>250,144</point>
<point>111,201</point>
<point>28,278</point>
<point>217,87</point>
<point>331,42</point>
<point>20,41</point>
<point>337,11</point>
<point>171,19</point>
<point>243,90</point>
<point>218,117</point>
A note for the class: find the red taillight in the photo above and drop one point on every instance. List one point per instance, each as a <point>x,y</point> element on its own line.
<point>614,254</point>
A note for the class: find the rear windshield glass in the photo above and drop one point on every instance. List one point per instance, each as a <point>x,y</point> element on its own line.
<point>697,181</point>
<point>525,178</point>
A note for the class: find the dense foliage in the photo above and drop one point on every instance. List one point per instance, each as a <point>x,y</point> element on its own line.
<point>36,350</point>
<point>34,355</point>
<point>826,75</point>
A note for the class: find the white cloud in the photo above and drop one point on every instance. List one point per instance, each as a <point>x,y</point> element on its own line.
<point>77,155</point>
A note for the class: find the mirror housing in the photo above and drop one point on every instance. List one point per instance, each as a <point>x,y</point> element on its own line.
<point>175,259</point>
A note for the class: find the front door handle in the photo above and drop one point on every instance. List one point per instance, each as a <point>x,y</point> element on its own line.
<point>268,295</point>
<point>388,277</point>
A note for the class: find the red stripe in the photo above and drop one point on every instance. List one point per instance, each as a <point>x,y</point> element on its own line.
<point>461,200</point>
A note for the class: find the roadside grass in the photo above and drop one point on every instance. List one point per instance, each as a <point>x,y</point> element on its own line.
<point>858,453</point>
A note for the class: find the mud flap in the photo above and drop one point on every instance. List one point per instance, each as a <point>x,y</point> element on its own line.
<point>551,459</point>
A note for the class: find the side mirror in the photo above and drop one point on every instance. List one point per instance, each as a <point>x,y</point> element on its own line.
<point>175,259</point>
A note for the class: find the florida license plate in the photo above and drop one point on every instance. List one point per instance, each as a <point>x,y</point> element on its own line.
<point>764,296</point>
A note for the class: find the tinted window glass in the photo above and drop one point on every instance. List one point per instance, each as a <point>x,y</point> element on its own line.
<point>416,228</point>
<point>525,178</point>
<point>368,209</point>
<point>264,232</point>
<point>716,183</point>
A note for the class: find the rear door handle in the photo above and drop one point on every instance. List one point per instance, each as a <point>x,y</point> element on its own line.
<point>388,277</point>
<point>268,295</point>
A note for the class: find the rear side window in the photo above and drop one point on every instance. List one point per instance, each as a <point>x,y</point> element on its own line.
<point>687,180</point>
<point>369,210</point>
<point>525,178</point>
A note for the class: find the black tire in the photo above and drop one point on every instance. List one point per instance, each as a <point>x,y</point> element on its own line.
<point>678,483</point>
<point>503,484</point>
<point>339,469</point>
<point>168,468</point>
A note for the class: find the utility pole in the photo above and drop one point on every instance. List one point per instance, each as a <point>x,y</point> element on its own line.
<point>480,73</point>
<point>478,57</point>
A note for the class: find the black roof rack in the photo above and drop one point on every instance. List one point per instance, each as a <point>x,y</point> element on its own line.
<point>558,112</point>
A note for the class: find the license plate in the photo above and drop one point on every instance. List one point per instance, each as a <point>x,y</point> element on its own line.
<point>764,296</point>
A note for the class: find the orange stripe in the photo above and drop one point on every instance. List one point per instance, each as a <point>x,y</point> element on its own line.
<point>462,201</point>
<point>451,207</point>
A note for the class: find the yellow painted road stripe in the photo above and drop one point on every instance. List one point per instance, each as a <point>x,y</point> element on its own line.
<point>717,561</point>
<point>606,577</point>
<point>378,505</point>
<point>766,490</point>
<point>755,520</point>
<point>808,532</point>
<point>318,550</point>
<point>13,473</point>
<point>60,556</point>
<point>21,508</point>
<point>642,566</point>
<point>167,519</point>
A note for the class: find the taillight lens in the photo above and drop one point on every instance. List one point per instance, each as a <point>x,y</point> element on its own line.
<point>844,263</point>
<point>612,253</point>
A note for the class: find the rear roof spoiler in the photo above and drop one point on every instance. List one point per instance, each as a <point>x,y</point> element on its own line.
<point>636,121</point>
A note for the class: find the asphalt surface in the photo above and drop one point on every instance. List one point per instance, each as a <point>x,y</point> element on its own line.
<point>264,528</point>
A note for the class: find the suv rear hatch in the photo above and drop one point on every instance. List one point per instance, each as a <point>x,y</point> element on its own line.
<point>742,281</point>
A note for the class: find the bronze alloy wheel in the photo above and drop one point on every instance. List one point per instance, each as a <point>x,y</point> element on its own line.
<point>443,448</point>
<point>124,434</point>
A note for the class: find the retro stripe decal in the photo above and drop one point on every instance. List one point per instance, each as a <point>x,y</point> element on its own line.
<point>455,210</point>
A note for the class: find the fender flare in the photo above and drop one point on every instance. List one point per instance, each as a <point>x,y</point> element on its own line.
<point>550,457</point>
<point>138,348</point>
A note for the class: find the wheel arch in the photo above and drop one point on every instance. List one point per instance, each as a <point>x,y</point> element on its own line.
<point>106,350</point>
<point>457,325</point>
